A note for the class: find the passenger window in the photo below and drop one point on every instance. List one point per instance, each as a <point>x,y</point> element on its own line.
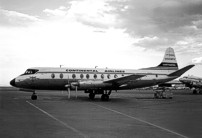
<point>73,76</point>
<point>115,76</point>
<point>108,76</point>
<point>95,76</point>
<point>81,76</point>
<point>52,75</point>
<point>87,76</point>
<point>61,76</point>
<point>102,76</point>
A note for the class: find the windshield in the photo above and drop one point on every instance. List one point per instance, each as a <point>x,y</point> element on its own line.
<point>30,71</point>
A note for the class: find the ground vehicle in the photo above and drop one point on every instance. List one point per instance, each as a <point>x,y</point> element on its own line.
<point>162,93</point>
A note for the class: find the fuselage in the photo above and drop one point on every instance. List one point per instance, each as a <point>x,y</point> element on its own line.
<point>45,78</point>
<point>99,81</point>
<point>192,81</point>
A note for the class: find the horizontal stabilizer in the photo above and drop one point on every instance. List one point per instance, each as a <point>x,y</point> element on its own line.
<point>181,71</point>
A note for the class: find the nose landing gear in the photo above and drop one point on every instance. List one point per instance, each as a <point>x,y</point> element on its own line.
<point>34,96</point>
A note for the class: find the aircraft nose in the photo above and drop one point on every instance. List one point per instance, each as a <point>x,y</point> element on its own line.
<point>12,82</point>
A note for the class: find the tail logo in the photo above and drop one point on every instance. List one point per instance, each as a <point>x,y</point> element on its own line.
<point>170,59</point>
<point>168,65</point>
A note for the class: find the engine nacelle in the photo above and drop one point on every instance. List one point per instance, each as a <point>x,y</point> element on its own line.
<point>92,84</point>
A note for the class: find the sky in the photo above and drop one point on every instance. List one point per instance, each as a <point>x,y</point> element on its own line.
<point>126,34</point>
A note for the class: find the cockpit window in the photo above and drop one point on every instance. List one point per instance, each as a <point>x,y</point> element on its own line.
<point>30,71</point>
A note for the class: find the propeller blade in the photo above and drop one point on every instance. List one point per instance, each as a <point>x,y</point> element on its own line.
<point>69,92</point>
<point>76,91</point>
<point>68,88</point>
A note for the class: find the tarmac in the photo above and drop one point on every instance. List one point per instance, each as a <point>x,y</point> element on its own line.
<point>128,114</point>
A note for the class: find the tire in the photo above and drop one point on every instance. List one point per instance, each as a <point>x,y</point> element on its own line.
<point>105,97</point>
<point>34,97</point>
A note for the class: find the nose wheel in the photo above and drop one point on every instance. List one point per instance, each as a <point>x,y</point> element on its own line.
<point>34,96</point>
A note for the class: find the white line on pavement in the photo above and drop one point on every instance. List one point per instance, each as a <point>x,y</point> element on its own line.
<point>61,122</point>
<point>140,120</point>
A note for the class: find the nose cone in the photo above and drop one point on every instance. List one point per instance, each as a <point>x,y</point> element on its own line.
<point>12,82</point>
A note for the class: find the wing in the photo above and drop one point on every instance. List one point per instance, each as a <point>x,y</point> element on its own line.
<point>125,79</point>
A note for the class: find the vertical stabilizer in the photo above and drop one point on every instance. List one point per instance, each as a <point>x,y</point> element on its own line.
<point>169,61</point>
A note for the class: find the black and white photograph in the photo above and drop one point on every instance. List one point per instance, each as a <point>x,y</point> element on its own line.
<point>101,68</point>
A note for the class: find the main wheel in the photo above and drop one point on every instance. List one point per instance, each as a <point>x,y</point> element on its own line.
<point>105,97</point>
<point>34,97</point>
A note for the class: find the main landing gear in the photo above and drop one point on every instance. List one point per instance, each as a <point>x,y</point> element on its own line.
<point>34,96</point>
<point>104,97</point>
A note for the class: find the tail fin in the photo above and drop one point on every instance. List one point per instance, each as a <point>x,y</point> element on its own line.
<point>169,61</point>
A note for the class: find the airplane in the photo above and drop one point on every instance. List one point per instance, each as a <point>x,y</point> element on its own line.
<point>192,82</point>
<point>98,80</point>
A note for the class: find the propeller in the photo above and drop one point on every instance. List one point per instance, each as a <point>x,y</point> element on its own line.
<point>68,88</point>
<point>73,85</point>
<point>69,92</point>
<point>76,91</point>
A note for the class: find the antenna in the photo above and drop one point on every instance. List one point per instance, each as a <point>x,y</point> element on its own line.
<point>61,66</point>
